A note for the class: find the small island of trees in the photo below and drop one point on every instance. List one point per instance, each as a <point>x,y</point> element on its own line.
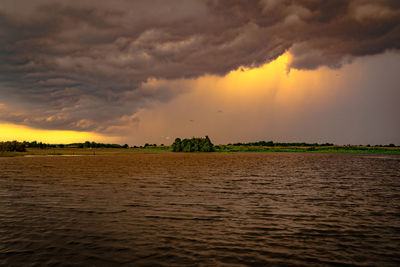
<point>194,144</point>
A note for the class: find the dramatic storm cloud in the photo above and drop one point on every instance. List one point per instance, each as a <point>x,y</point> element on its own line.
<point>91,65</point>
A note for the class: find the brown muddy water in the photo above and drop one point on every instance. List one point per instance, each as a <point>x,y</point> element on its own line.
<point>168,209</point>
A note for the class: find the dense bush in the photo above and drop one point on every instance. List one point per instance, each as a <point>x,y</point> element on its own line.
<point>13,146</point>
<point>193,145</point>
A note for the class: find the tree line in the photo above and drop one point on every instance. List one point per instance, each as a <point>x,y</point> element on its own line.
<point>21,146</point>
<point>298,144</point>
<point>271,143</point>
<point>12,146</point>
<point>194,144</point>
<point>88,144</point>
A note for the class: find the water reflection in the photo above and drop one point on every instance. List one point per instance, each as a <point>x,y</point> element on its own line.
<point>212,209</point>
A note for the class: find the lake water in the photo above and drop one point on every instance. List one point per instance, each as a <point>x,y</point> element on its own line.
<point>163,209</point>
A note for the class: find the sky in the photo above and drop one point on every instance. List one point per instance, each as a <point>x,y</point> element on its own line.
<point>238,71</point>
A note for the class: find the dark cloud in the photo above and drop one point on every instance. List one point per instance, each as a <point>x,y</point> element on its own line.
<point>82,64</point>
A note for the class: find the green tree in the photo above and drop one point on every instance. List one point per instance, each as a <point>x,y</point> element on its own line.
<point>13,146</point>
<point>177,145</point>
<point>86,144</point>
<point>207,146</point>
<point>186,145</point>
<point>194,144</point>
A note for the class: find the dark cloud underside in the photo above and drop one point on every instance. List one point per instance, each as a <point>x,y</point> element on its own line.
<point>81,64</point>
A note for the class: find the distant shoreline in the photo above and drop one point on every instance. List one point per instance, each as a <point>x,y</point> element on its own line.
<point>30,152</point>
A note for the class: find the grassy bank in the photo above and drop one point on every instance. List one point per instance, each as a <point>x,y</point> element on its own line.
<point>67,152</point>
<point>310,149</point>
<point>218,149</point>
<point>153,148</point>
<point>11,154</point>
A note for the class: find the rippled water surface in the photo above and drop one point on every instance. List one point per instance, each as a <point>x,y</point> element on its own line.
<point>200,209</point>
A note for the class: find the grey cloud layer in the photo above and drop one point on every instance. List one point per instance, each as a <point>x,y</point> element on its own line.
<point>81,65</point>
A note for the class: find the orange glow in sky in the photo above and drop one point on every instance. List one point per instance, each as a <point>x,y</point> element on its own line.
<point>264,102</point>
<point>272,81</point>
<point>10,132</point>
